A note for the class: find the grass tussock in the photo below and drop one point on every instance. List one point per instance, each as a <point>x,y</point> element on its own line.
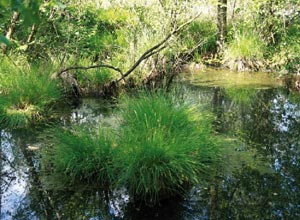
<point>161,147</point>
<point>245,52</point>
<point>165,145</point>
<point>26,95</point>
<point>80,155</point>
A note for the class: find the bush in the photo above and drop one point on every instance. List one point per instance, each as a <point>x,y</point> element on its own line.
<point>286,55</point>
<point>165,146</point>
<point>202,33</point>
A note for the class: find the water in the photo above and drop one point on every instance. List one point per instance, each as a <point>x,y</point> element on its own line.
<point>260,179</point>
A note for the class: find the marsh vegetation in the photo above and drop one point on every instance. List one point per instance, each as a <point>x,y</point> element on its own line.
<point>168,123</point>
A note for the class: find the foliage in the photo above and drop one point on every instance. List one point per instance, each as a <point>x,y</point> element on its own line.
<point>286,55</point>
<point>265,25</point>
<point>201,33</point>
<point>27,94</point>
<point>165,146</point>
<point>92,79</point>
<point>118,32</point>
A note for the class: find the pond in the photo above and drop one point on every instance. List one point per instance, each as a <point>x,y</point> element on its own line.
<point>260,178</point>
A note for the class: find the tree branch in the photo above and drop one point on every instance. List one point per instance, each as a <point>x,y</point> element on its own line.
<point>148,53</point>
<point>156,48</point>
<point>89,67</point>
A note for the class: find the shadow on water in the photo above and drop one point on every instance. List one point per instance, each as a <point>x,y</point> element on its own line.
<point>260,178</point>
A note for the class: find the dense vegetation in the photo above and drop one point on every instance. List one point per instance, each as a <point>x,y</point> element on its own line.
<point>54,52</point>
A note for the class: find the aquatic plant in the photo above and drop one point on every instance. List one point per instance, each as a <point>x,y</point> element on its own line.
<point>80,155</point>
<point>27,94</point>
<point>165,146</point>
<point>161,147</point>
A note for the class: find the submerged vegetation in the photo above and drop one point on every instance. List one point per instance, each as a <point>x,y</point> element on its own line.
<point>160,148</point>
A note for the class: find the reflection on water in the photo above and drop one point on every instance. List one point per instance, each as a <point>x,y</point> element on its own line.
<point>260,179</point>
<point>228,79</point>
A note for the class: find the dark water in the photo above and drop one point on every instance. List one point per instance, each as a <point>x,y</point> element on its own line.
<point>260,178</point>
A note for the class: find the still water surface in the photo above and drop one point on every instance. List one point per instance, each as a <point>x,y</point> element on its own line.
<point>260,178</point>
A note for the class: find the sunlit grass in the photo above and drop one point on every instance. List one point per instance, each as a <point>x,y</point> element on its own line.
<point>26,94</point>
<point>245,45</point>
<point>245,52</point>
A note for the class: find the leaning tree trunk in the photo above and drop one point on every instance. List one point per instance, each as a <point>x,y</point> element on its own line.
<point>222,24</point>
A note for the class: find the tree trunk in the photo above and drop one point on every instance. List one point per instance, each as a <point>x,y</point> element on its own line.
<point>222,24</point>
<point>31,35</point>
<point>11,29</point>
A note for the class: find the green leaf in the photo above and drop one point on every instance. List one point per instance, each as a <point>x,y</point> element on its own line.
<point>4,40</point>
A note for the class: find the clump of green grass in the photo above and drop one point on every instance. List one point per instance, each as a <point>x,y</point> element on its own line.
<point>245,52</point>
<point>165,146</point>
<point>161,147</point>
<point>27,94</point>
<point>245,46</point>
<point>80,155</point>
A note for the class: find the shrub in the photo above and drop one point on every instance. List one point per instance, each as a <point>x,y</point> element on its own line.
<point>204,31</point>
<point>165,145</point>
<point>286,55</point>
<point>93,79</point>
